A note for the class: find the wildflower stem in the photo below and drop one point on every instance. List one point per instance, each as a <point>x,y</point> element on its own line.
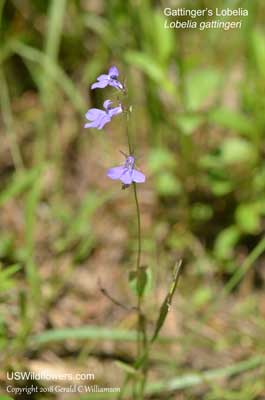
<point>128,131</point>
<point>138,391</point>
<point>139,250</point>
<point>138,261</point>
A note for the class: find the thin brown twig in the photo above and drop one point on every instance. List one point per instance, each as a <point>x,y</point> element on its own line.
<point>113,300</point>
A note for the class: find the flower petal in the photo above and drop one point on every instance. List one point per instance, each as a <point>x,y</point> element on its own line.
<point>102,77</point>
<point>126,177</point>
<point>115,83</point>
<point>106,104</point>
<point>137,176</point>
<point>93,124</point>
<point>98,118</point>
<point>93,114</point>
<point>100,84</point>
<point>115,172</point>
<point>115,111</point>
<point>103,121</point>
<point>113,72</point>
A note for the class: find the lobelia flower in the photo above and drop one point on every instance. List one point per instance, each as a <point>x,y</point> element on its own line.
<point>109,79</point>
<point>126,173</point>
<point>99,118</point>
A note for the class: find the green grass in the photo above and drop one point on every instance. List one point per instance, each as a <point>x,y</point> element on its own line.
<point>199,121</point>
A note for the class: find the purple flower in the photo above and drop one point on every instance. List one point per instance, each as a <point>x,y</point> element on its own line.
<point>109,79</point>
<point>98,118</point>
<point>126,173</point>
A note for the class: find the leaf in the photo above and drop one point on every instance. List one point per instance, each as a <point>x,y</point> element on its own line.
<point>225,242</point>
<point>202,377</point>
<point>189,380</point>
<point>7,244</point>
<point>167,302</point>
<point>31,206</point>
<point>258,49</point>
<point>161,158</point>
<point>231,119</point>
<point>221,188</point>
<point>217,180</point>
<point>5,397</point>
<point>84,333</point>
<point>140,281</point>
<point>20,182</point>
<point>101,26</point>
<point>200,86</point>
<point>84,248</point>
<point>246,265</point>
<point>259,179</point>
<point>77,227</point>
<point>248,217</point>
<point>151,68</point>
<point>201,212</point>
<point>167,184</point>
<point>189,123</point>
<point>127,368</point>
<point>202,296</point>
<point>34,55</point>
<point>54,32</point>
<point>6,277</point>
<point>162,38</point>
<point>238,150</point>
<point>88,332</point>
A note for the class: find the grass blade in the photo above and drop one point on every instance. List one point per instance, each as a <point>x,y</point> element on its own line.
<point>9,121</point>
<point>20,183</point>
<point>189,380</point>
<point>85,333</point>
<point>200,378</point>
<point>89,333</point>
<point>167,302</point>
<point>68,87</point>
<point>53,38</point>
<point>249,261</point>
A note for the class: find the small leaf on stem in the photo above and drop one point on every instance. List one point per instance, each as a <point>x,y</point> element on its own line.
<point>140,280</point>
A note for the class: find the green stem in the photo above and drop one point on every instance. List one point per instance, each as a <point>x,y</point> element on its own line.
<point>139,250</point>
<point>141,329</point>
<point>138,394</point>
<point>128,132</point>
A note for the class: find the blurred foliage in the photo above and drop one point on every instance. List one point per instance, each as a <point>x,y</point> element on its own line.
<point>199,106</point>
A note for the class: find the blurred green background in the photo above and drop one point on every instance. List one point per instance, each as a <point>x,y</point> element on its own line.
<point>199,123</point>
